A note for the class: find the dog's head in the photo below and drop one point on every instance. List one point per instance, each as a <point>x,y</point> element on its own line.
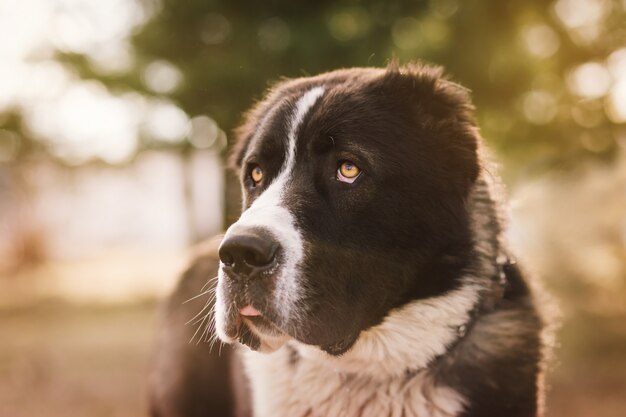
<point>354,186</point>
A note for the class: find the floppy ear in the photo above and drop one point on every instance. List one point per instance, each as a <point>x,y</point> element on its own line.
<point>444,115</point>
<point>243,135</point>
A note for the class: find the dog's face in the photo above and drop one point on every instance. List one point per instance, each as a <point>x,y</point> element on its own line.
<point>354,185</point>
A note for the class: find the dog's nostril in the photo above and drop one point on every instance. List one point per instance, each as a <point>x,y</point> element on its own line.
<point>227,258</point>
<point>248,250</point>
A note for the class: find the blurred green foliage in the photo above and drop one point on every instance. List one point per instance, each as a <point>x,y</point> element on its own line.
<point>515,56</point>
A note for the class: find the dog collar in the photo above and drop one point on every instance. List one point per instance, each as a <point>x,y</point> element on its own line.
<point>492,297</point>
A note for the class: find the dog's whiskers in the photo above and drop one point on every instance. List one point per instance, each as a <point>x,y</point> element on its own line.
<point>204,289</point>
<point>207,305</point>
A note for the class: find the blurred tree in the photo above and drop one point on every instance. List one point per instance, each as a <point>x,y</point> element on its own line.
<point>520,59</point>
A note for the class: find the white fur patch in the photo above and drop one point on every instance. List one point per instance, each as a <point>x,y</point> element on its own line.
<point>268,212</point>
<point>311,389</point>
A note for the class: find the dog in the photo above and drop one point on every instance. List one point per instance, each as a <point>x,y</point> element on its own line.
<point>368,274</point>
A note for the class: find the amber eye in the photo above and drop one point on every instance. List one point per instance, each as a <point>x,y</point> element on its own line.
<point>348,172</point>
<point>256,174</point>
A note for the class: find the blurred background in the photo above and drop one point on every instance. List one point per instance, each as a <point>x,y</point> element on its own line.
<point>115,117</point>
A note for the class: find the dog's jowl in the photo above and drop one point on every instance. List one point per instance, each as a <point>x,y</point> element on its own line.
<point>368,274</point>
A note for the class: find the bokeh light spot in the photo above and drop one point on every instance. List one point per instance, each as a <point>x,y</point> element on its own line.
<point>406,33</point>
<point>166,122</point>
<point>204,132</point>
<point>540,40</point>
<point>215,29</point>
<point>582,18</point>
<point>539,107</point>
<point>615,104</point>
<point>579,13</point>
<point>444,8</point>
<point>347,24</point>
<point>162,77</point>
<point>274,35</point>
<point>591,79</point>
<point>114,58</point>
<point>616,63</point>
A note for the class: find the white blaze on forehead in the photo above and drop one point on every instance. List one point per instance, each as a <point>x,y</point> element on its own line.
<point>267,211</point>
<point>302,107</point>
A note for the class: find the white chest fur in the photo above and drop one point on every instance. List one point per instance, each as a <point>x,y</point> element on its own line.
<point>371,378</point>
<point>306,389</point>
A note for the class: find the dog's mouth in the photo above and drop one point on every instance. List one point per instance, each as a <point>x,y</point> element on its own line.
<point>247,316</point>
<point>258,322</point>
<point>252,328</point>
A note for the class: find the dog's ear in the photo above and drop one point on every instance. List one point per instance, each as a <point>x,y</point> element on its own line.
<point>442,110</point>
<point>243,135</point>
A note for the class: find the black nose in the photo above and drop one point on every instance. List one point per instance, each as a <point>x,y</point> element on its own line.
<point>248,251</point>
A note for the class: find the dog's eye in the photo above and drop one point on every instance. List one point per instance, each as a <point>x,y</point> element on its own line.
<point>347,172</point>
<point>256,173</point>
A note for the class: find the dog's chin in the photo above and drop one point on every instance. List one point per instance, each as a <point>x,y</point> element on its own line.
<point>257,333</point>
<point>262,335</point>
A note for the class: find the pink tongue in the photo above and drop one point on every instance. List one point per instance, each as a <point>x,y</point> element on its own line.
<point>249,311</point>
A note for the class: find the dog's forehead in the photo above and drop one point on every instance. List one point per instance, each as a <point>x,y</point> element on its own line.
<point>279,126</point>
<point>275,116</point>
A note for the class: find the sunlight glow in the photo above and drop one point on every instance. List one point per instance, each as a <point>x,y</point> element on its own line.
<point>86,122</point>
<point>83,120</point>
<point>82,26</point>
<point>25,23</point>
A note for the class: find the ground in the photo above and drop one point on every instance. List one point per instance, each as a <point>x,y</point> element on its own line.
<point>59,360</point>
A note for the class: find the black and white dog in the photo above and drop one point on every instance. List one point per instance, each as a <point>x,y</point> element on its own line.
<point>367,274</point>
